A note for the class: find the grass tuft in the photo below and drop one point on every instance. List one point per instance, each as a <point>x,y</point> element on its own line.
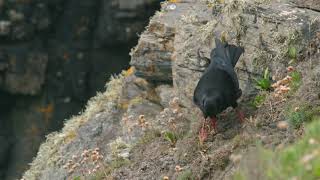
<point>258,100</point>
<point>297,117</point>
<point>186,175</point>
<point>264,83</point>
<point>296,80</point>
<point>292,52</point>
<point>298,161</point>
<point>171,137</point>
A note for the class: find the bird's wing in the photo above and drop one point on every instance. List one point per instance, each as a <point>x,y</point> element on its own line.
<point>226,66</point>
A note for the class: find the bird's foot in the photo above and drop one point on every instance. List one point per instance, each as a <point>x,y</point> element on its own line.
<point>213,123</point>
<point>241,115</point>
<point>203,133</point>
<point>207,127</point>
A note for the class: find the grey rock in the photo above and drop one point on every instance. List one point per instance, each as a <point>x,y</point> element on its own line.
<point>308,4</point>
<point>172,49</point>
<point>166,94</point>
<point>49,67</point>
<point>4,150</point>
<point>5,28</point>
<point>25,74</point>
<point>103,127</point>
<point>113,25</point>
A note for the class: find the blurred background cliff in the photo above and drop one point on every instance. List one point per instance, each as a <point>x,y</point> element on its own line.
<point>54,56</point>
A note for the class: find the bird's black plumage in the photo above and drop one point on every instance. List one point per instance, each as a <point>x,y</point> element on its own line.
<point>218,88</point>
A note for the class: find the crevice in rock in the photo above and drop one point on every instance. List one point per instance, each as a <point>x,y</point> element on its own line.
<point>309,8</point>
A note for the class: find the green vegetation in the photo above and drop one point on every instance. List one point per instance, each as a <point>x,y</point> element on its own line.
<point>106,171</point>
<point>298,161</point>
<point>302,114</point>
<point>117,146</point>
<point>264,83</point>
<point>296,80</point>
<point>149,135</point>
<point>117,163</point>
<point>171,137</point>
<point>292,52</point>
<point>258,100</point>
<point>186,175</point>
<point>296,118</point>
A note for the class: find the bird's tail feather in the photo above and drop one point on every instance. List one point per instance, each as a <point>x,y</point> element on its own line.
<point>231,51</point>
<point>234,53</point>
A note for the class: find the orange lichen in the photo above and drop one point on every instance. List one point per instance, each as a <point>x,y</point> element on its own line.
<point>47,112</point>
<point>129,72</point>
<point>123,105</point>
<point>174,1</point>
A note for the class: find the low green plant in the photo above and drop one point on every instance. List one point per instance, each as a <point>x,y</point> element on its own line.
<point>186,175</point>
<point>258,100</point>
<point>119,162</point>
<point>301,115</point>
<point>292,52</point>
<point>296,118</point>
<point>171,137</point>
<point>264,83</point>
<point>300,160</point>
<point>296,80</point>
<point>115,164</point>
<point>149,135</point>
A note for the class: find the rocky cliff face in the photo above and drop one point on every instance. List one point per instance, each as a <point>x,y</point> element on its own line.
<point>54,55</point>
<point>145,124</point>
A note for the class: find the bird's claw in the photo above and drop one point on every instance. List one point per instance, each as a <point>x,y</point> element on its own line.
<point>213,124</point>
<point>206,128</point>
<point>203,133</point>
<point>240,115</point>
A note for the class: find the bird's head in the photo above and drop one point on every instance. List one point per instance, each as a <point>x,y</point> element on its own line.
<point>212,105</point>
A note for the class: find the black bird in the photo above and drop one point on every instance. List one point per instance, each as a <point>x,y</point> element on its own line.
<point>218,88</point>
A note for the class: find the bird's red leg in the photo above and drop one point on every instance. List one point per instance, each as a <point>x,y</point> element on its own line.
<point>206,128</point>
<point>240,115</point>
<point>203,133</point>
<point>213,123</point>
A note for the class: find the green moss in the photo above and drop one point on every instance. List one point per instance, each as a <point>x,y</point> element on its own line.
<point>299,161</point>
<point>186,175</point>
